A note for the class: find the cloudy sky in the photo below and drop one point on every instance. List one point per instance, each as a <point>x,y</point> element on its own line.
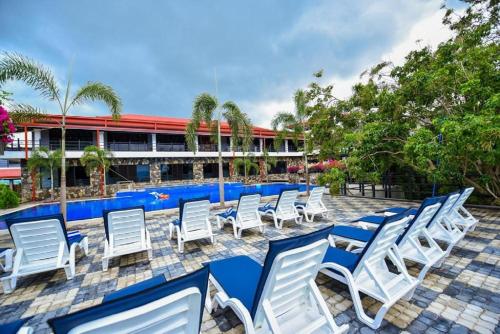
<point>159,55</point>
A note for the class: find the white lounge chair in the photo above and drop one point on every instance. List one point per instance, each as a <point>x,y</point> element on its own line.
<point>193,222</point>
<point>152,306</point>
<point>281,296</point>
<point>367,271</point>
<point>409,243</point>
<point>7,255</point>
<point>42,244</point>
<point>460,216</point>
<point>284,209</point>
<point>126,233</point>
<point>244,217</point>
<point>314,205</point>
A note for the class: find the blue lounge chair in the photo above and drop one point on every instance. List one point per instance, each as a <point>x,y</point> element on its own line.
<point>284,209</point>
<point>244,217</point>
<point>42,244</point>
<point>409,243</point>
<point>16,327</point>
<point>153,306</point>
<point>314,205</point>
<point>6,254</point>
<point>367,272</point>
<point>281,296</point>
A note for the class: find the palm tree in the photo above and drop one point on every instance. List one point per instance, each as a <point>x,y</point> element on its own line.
<point>95,158</point>
<point>17,67</point>
<point>247,164</point>
<point>43,158</point>
<point>269,162</point>
<point>206,109</point>
<point>293,125</point>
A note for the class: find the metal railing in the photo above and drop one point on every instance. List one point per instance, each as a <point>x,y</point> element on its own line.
<point>213,148</point>
<point>129,146</point>
<point>171,147</point>
<point>71,145</point>
<point>19,145</point>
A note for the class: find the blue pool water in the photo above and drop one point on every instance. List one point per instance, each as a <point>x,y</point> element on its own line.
<point>87,209</point>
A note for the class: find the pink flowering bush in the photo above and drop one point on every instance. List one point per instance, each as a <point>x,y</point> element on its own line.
<point>293,169</point>
<point>7,125</point>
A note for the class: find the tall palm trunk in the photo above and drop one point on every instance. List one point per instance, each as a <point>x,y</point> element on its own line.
<point>104,181</point>
<point>63,168</point>
<point>306,168</point>
<point>52,182</point>
<point>221,170</point>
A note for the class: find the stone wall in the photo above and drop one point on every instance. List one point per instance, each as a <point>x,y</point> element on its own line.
<point>94,189</point>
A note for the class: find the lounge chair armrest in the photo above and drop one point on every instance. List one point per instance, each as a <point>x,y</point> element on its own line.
<point>25,330</point>
<point>240,310</point>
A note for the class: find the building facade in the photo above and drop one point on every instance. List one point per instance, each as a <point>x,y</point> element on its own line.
<point>146,150</point>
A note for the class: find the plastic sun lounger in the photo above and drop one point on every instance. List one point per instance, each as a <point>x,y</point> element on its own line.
<point>42,244</point>
<point>367,272</point>
<point>409,243</point>
<point>152,306</point>
<point>244,217</point>
<point>16,327</point>
<point>281,296</point>
<point>314,205</point>
<point>7,254</point>
<point>284,209</point>
<point>193,223</point>
<point>460,216</point>
<point>126,233</point>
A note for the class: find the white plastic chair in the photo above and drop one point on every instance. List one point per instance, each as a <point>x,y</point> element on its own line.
<point>314,205</point>
<point>126,233</point>
<point>7,254</point>
<point>193,222</point>
<point>284,209</point>
<point>286,298</point>
<point>460,216</point>
<point>246,215</point>
<point>367,272</point>
<point>42,244</point>
<point>152,306</point>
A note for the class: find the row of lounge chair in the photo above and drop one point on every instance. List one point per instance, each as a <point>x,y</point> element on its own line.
<point>281,295</point>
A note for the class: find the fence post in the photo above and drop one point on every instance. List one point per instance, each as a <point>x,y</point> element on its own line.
<point>363,189</point>
<point>373,190</point>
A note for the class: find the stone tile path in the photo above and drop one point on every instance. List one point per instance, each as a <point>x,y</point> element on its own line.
<point>463,296</point>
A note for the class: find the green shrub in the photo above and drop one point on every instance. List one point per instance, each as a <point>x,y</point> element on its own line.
<point>8,198</point>
<point>334,178</point>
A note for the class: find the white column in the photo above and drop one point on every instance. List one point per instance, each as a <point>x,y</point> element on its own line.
<point>101,139</point>
<point>37,135</point>
<point>286,145</point>
<point>153,141</point>
<point>261,144</point>
<point>196,143</point>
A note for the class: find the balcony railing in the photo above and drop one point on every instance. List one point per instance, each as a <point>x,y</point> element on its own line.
<point>252,148</point>
<point>213,148</point>
<point>71,145</point>
<point>171,147</point>
<point>129,146</point>
<point>19,144</point>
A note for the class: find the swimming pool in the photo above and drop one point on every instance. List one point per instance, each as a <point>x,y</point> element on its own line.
<point>87,209</point>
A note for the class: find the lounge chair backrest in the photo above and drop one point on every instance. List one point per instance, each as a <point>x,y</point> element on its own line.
<point>385,236</point>
<point>290,265</point>
<point>174,306</point>
<point>124,227</point>
<point>194,215</point>
<point>314,200</point>
<point>427,211</point>
<point>464,196</point>
<point>445,208</point>
<point>41,239</point>
<point>248,208</point>
<point>286,201</point>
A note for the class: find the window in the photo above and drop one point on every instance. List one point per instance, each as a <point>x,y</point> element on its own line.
<point>280,168</point>
<point>212,170</point>
<point>136,173</point>
<point>76,176</point>
<point>171,172</point>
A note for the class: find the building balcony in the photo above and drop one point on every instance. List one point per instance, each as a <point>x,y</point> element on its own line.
<point>213,148</point>
<point>71,145</point>
<point>129,146</point>
<point>171,147</point>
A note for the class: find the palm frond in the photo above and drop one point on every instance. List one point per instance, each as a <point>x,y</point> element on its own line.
<point>191,136</point>
<point>283,120</point>
<point>14,66</point>
<point>96,91</point>
<point>204,108</point>
<point>25,113</point>
<point>300,104</point>
<point>94,158</point>
<point>240,124</point>
<point>38,159</point>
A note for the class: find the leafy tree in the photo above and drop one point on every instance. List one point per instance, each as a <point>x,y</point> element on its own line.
<point>334,179</point>
<point>17,67</point>
<point>206,110</point>
<point>95,158</point>
<point>8,197</point>
<point>43,158</point>
<point>294,125</point>
<point>269,162</point>
<point>437,113</point>
<point>247,165</point>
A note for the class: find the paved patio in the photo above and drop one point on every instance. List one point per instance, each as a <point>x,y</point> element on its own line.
<point>460,297</point>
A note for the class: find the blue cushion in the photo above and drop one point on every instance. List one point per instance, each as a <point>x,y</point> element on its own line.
<point>75,237</point>
<point>57,216</point>
<point>134,288</point>
<point>342,257</point>
<point>13,327</point>
<point>267,207</point>
<point>300,204</point>
<point>238,276</point>
<point>278,246</point>
<point>197,279</point>
<point>228,213</point>
<point>371,219</point>
<point>3,250</point>
<point>183,201</point>
<point>352,232</point>
<point>176,222</point>
<point>394,210</point>
<point>105,214</point>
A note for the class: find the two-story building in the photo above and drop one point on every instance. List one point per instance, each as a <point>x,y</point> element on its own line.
<point>146,150</point>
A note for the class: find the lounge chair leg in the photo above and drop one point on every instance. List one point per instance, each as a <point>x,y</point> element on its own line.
<point>276,221</point>
<point>105,263</point>
<point>171,231</point>
<point>235,231</point>
<point>180,244</point>
<point>69,272</point>
<point>84,244</point>
<point>150,254</point>
<point>9,284</point>
<point>220,224</point>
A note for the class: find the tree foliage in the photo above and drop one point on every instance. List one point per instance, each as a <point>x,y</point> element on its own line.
<point>437,113</point>
<point>96,159</point>
<point>43,158</point>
